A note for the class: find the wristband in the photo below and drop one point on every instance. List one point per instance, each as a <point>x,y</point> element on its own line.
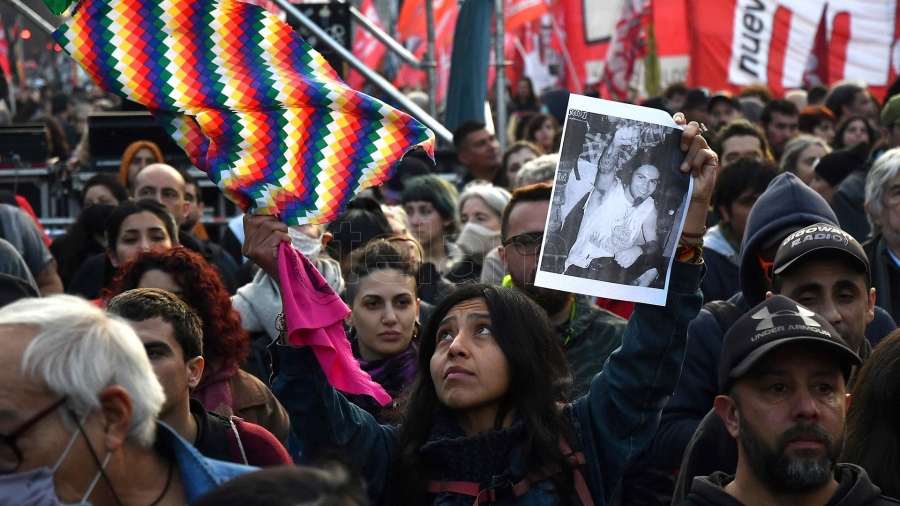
<point>689,253</point>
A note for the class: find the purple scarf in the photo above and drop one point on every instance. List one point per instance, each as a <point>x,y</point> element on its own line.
<point>394,374</point>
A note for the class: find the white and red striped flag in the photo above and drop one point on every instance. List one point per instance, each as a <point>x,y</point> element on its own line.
<point>628,44</point>
<point>784,43</point>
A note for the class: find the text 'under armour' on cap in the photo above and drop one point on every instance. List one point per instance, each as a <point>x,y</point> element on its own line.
<point>775,322</point>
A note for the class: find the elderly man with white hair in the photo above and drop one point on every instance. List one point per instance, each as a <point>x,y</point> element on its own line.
<point>883,249</point>
<point>78,414</point>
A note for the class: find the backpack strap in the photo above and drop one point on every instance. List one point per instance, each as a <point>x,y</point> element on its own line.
<point>576,461</point>
<point>725,312</point>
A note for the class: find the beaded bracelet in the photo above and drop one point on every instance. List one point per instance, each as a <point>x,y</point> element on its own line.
<point>689,253</point>
<point>694,235</point>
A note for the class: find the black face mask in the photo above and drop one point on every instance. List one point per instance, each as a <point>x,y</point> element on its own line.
<point>94,218</point>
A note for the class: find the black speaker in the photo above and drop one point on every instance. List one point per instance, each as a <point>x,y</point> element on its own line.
<point>109,133</point>
<point>23,147</point>
<point>334,18</point>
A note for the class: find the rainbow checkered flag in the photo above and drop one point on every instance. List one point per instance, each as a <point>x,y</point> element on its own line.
<point>252,105</point>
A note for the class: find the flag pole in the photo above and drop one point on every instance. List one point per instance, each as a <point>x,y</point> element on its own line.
<point>430,63</point>
<point>500,72</point>
<point>35,18</point>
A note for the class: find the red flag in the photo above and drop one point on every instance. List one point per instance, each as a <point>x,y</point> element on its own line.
<point>519,12</point>
<point>739,42</point>
<point>411,33</point>
<point>365,46</point>
<point>629,43</point>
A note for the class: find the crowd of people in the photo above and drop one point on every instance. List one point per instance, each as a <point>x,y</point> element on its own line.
<point>136,340</point>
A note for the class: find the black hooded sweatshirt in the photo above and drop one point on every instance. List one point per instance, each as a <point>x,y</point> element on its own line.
<point>855,489</point>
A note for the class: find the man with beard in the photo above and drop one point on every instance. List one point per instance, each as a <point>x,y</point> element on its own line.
<point>782,380</point>
<point>589,334</point>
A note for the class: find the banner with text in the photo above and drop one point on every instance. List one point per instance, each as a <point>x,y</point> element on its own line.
<point>789,43</point>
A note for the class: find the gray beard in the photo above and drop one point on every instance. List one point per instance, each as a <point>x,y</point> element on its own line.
<point>781,474</point>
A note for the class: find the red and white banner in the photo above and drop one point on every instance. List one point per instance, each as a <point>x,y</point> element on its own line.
<point>517,13</point>
<point>629,43</point>
<point>365,46</point>
<point>785,43</point>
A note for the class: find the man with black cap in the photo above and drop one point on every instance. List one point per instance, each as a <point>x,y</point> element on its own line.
<point>722,109</point>
<point>782,384</point>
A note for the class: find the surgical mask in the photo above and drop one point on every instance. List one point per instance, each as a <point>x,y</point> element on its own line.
<point>477,240</point>
<point>35,486</point>
<point>305,244</point>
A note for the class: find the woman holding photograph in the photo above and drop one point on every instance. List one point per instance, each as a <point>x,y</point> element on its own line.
<point>486,419</point>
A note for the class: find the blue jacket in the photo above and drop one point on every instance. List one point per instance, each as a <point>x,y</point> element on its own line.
<point>198,473</point>
<point>613,422</point>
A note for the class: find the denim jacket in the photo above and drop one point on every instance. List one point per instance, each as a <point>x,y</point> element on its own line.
<point>613,422</point>
<point>198,473</point>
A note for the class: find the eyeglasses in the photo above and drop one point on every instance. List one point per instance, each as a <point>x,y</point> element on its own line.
<point>10,454</point>
<point>525,244</point>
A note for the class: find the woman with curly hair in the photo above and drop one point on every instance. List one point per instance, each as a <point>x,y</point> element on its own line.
<point>224,388</point>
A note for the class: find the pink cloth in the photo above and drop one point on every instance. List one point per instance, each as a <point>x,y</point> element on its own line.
<point>313,315</point>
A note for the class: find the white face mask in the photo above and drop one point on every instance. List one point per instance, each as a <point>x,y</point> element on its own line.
<point>305,244</point>
<point>35,486</point>
<point>477,240</point>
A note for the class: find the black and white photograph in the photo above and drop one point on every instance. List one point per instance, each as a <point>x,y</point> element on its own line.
<point>618,203</point>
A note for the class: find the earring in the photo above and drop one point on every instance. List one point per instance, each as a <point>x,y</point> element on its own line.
<point>417,330</point>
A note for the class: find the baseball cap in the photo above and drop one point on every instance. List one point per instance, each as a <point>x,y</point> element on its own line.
<point>697,97</point>
<point>819,237</point>
<point>726,96</point>
<point>890,113</point>
<point>776,322</point>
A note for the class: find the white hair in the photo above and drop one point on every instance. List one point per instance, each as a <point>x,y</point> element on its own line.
<point>537,170</point>
<point>882,172</point>
<point>78,350</point>
<point>494,197</point>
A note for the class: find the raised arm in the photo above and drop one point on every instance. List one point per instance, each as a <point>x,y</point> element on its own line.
<point>321,418</point>
<point>620,414</point>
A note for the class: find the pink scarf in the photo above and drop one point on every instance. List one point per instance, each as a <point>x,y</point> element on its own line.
<point>313,314</point>
<point>214,391</point>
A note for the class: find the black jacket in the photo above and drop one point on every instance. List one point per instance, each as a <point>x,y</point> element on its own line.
<point>855,489</point>
<point>885,276</point>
